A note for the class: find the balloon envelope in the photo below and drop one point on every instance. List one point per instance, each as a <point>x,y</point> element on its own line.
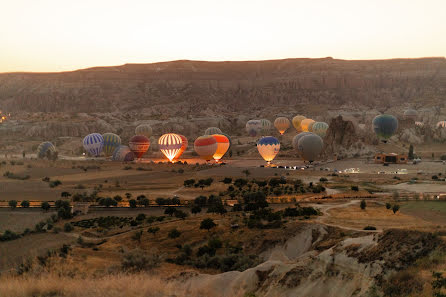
<point>306,125</point>
<point>320,128</point>
<point>144,129</point>
<point>206,146</point>
<point>268,147</point>
<point>282,124</point>
<point>222,146</point>
<point>410,114</point>
<point>123,154</point>
<point>253,127</point>
<point>265,126</point>
<point>170,144</point>
<point>45,149</point>
<point>212,130</point>
<point>385,125</point>
<point>296,122</point>
<point>139,144</point>
<point>441,124</point>
<point>111,142</point>
<point>310,146</point>
<point>184,144</point>
<point>93,144</point>
<point>297,137</point>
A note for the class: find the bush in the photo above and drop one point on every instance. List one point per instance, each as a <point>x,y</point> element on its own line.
<point>207,224</point>
<point>195,209</point>
<point>45,206</point>
<point>369,228</point>
<point>55,183</point>
<point>170,210</point>
<point>180,214</point>
<point>132,203</point>
<point>434,177</point>
<point>189,183</point>
<point>355,188</point>
<point>227,180</point>
<point>174,233</point>
<point>395,208</point>
<point>12,204</point>
<point>9,235</point>
<point>363,204</point>
<point>388,205</point>
<point>323,179</point>
<point>63,209</point>
<point>67,227</point>
<point>24,204</point>
<point>138,260</point>
<point>153,230</point>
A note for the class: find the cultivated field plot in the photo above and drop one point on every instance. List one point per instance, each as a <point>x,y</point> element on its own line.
<point>432,211</point>
<point>18,220</point>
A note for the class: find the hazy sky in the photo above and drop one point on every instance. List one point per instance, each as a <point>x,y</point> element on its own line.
<point>56,35</point>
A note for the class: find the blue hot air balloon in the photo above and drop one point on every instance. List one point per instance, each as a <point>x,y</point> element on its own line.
<point>385,126</point>
<point>111,142</point>
<point>45,149</point>
<point>93,144</point>
<point>268,147</point>
<point>123,153</point>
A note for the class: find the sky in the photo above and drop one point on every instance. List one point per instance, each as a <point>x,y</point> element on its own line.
<point>61,35</point>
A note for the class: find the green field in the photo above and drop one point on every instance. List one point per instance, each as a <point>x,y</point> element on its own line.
<point>434,211</point>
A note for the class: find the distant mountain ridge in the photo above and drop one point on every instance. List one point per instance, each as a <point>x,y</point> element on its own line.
<point>233,86</point>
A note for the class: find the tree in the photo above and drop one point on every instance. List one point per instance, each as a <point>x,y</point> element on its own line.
<point>240,183</point>
<point>363,204</point>
<point>45,206</point>
<point>180,214</point>
<point>160,201</point>
<point>355,188</point>
<point>395,208</point>
<point>12,204</point>
<point>174,233</point>
<point>63,209</point>
<point>195,209</point>
<point>153,230</point>
<point>200,200</point>
<point>170,210</point>
<point>24,204</point>
<point>207,224</point>
<point>65,194</point>
<point>189,183</point>
<point>145,202</point>
<point>410,154</point>
<point>128,195</point>
<point>176,201</point>
<point>67,227</point>
<point>227,180</point>
<point>388,205</point>
<point>132,203</point>
<point>118,198</point>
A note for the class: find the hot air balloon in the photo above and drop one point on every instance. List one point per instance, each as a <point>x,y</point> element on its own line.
<point>206,146</point>
<point>45,149</point>
<point>229,138</point>
<point>222,146</point>
<point>212,130</point>
<point>410,114</point>
<point>385,126</point>
<point>139,144</point>
<point>123,154</point>
<point>441,124</point>
<point>282,124</point>
<point>265,126</point>
<point>111,142</point>
<point>170,144</point>
<point>144,129</point>
<point>268,148</point>
<point>253,127</point>
<point>296,122</point>
<point>320,128</point>
<point>306,125</point>
<point>297,137</point>
<point>183,147</point>
<point>93,144</point>
<point>419,124</point>
<point>310,146</point>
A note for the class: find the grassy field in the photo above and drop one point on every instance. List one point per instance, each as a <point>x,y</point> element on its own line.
<point>433,211</point>
<point>18,220</point>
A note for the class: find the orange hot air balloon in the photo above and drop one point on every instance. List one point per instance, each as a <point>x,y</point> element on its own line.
<point>206,146</point>
<point>139,144</point>
<point>306,125</point>
<point>222,146</point>
<point>282,124</point>
<point>170,144</point>
<point>184,144</point>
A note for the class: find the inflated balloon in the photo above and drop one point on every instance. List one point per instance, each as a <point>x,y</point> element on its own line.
<point>296,122</point>
<point>144,129</point>
<point>183,147</point>
<point>268,148</point>
<point>139,144</point>
<point>410,114</point>
<point>111,142</point>
<point>93,144</point>
<point>441,124</point>
<point>206,146</point>
<point>310,147</point>
<point>306,125</point>
<point>123,154</point>
<point>45,149</point>
<point>253,127</point>
<point>229,138</point>
<point>320,128</point>
<point>170,144</point>
<point>297,137</point>
<point>265,126</point>
<point>212,130</point>
<point>419,124</point>
<point>282,124</point>
<point>222,146</point>
<point>385,126</point>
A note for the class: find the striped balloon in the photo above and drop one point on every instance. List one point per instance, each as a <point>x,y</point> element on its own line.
<point>296,122</point>
<point>183,148</point>
<point>222,146</point>
<point>45,149</point>
<point>111,142</point>
<point>253,127</point>
<point>266,126</point>
<point>170,144</point>
<point>93,144</point>
<point>139,144</point>
<point>144,129</point>
<point>282,124</point>
<point>320,128</point>
<point>306,125</point>
<point>206,146</point>
<point>212,130</point>
<point>441,124</point>
<point>123,154</point>
<point>268,148</point>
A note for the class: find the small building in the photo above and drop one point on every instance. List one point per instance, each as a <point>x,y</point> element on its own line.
<point>390,158</point>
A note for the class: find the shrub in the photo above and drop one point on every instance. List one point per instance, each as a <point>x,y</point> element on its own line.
<point>170,210</point>
<point>355,188</point>
<point>24,204</point>
<point>45,206</point>
<point>227,180</point>
<point>55,183</point>
<point>174,233</point>
<point>189,183</point>
<point>180,214</point>
<point>132,203</point>
<point>138,260</point>
<point>63,209</point>
<point>195,209</point>
<point>67,227</point>
<point>395,208</point>
<point>12,204</point>
<point>363,204</point>
<point>207,224</point>
<point>369,228</point>
<point>323,179</point>
<point>434,177</point>
<point>153,230</point>
<point>388,205</point>
<point>9,235</point>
